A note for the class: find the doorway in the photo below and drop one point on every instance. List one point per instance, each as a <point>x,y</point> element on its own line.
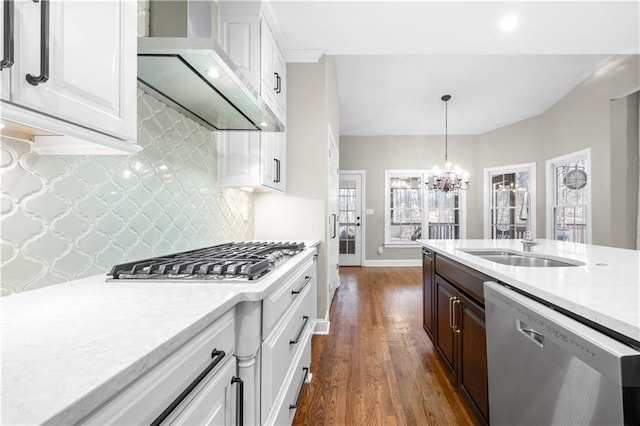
<point>350,218</point>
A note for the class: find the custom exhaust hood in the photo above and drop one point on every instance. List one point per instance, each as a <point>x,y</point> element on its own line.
<point>182,65</point>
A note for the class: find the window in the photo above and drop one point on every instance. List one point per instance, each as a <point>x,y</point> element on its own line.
<point>410,209</point>
<point>504,200</point>
<point>568,197</point>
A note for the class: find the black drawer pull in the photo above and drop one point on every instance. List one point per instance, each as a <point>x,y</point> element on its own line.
<point>305,320</point>
<point>7,61</point>
<point>304,379</point>
<point>307,279</point>
<point>240,401</point>
<point>44,45</point>
<point>217,357</point>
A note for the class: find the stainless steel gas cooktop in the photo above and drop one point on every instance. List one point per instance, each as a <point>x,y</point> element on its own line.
<point>245,261</point>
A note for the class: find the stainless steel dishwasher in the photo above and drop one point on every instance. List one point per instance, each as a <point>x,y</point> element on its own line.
<point>546,368</point>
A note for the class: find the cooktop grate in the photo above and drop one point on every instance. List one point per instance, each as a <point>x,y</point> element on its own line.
<point>238,261</point>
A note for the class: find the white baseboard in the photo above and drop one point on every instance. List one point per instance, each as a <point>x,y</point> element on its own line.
<point>321,327</point>
<point>393,262</point>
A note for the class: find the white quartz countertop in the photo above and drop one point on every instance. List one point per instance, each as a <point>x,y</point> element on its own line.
<point>66,349</point>
<point>606,290</point>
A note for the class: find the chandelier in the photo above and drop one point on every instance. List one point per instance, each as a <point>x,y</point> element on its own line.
<point>452,178</point>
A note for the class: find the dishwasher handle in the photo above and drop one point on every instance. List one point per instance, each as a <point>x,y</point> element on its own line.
<point>530,333</point>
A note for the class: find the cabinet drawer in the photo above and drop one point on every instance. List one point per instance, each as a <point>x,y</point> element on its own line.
<point>144,400</point>
<point>277,303</point>
<point>212,402</point>
<point>287,402</point>
<point>466,279</point>
<point>281,348</point>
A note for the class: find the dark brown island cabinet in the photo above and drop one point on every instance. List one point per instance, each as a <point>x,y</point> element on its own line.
<point>454,320</point>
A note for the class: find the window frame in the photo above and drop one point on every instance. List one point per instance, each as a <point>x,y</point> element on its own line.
<point>551,165</point>
<point>488,173</point>
<point>423,175</point>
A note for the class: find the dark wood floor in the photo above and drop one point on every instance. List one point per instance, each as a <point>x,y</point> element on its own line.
<point>377,366</point>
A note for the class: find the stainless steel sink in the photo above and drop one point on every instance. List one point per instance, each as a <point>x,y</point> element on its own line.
<point>514,258</point>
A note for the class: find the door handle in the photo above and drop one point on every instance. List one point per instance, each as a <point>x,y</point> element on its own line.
<point>240,400</point>
<point>456,327</point>
<point>531,334</point>
<point>451,300</point>
<point>275,81</point>
<point>305,320</point>
<point>335,219</point>
<point>7,61</point>
<point>217,357</point>
<point>304,379</point>
<point>44,46</point>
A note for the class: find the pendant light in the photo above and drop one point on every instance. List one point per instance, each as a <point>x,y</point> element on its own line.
<point>452,178</point>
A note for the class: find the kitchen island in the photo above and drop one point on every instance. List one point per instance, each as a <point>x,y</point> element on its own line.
<point>70,348</point>
<point>598,286</point>
<point>604,292</point>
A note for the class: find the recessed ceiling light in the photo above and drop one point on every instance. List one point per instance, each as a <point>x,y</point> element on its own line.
<point>264,124</point>
<point>508,23</point>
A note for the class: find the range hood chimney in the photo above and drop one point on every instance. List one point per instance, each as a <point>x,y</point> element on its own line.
<point>182,65</point>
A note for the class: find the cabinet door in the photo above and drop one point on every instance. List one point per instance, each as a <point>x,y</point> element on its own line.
<point>280,67</point>
<point>267,71</point>
<point>239,158</point>
<point>212,403</point>
<point>269,160</point>
<point>274,161</point>
<point>92,66</point>
<point>473,353</point>
<point>445,336</point>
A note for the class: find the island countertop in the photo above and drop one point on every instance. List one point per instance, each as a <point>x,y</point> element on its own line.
<point>605,291</point>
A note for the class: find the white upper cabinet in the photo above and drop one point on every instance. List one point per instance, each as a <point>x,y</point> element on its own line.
<point>247,37</point>
<point>273,75</point>
<point>253,159</point>
<point>73,74</point>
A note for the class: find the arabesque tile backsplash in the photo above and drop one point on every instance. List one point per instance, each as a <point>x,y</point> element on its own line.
<point>68,217</point>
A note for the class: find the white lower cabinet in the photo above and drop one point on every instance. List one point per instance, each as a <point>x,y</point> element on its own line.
<point>286,349</point>
<point>213,401</point>
<point>147,398</point>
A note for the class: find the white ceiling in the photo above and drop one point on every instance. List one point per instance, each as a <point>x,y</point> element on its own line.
<point>395,59</point>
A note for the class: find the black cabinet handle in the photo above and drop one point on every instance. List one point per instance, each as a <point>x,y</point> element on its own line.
<point>240,402</point>
<point>307,279</point>
<point>275,164</point>
<point>217,357</point>
<point>275,81</point>
<point>44,45</point>
<point>305,320</point>
<point>279,83</point>
<point>304,378</point>
<point>7,61</point>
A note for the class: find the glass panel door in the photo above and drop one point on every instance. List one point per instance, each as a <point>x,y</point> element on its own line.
<point>350,219</point>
